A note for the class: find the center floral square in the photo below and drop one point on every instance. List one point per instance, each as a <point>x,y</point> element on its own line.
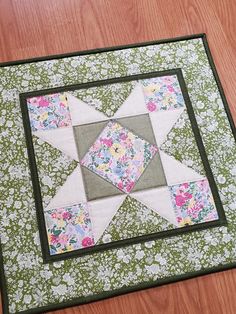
<point>119,156</point>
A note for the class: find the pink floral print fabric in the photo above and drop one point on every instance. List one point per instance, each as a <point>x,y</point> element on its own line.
<point>119,156</point>
<point>162,93</point>
<point>48,112</point>
<point>193,203</point>
<point>69,228</point>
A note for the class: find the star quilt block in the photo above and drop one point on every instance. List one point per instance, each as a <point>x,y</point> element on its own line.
<point>133,153</point>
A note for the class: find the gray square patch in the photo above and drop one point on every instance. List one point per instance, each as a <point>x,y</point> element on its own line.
<point>96,186</point>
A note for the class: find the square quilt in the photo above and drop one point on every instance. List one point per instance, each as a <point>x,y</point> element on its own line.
<point>152,157</point>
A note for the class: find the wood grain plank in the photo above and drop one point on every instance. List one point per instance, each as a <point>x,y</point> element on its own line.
<point>30,28</point>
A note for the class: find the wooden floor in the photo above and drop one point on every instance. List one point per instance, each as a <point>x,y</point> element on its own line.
<point>31,28</point>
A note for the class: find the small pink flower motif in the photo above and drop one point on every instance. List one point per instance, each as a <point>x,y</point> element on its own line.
<point>87,241</point>
<point>54,239</point>
<point>63,239</point>
<point>154,149</point>
<point>180,200</point>
<point>123,136</point>
<point>187,196</point>
<point>33,101</point>
<point>63,123</point>
<point>120,185</point>
<point>168,80</point>
<point>54,215</point>
<point>170,88</point>
<point>179,219</point>
<point>203,185</point>
<point>185,185</point>
<point>107,142</point>
<point>62,106</point>
<point>66,215</point>
<point>151,106</point>
<point>43,102</point>
<point>129,186</point>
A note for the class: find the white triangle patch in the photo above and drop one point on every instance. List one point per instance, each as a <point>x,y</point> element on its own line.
<point>82,113</point>
<point>133,105</point>
<point>159,200</point>
<point>176,172</point>
<point>71,193</point>
<point>60,138</point>
<point>101,213</point>
<point>163,122</point>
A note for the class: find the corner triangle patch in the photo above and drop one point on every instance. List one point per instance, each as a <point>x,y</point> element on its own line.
<point>71,193</point>
<point>133,105</point>
<point>105,98</point>
<point>60,138</point>
<point>159,200</point>
<point>53,168</point>
<point>187,152</point>
<point>133,219</point>
<point>82,113</point>
<point>101,212</point>
<point>176,172</point>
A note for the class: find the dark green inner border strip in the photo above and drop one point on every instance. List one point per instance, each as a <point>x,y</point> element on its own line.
<point>103,295</point>
<point>120,243</point>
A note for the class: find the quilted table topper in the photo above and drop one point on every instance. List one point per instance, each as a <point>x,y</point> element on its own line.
<point>118,173</point>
